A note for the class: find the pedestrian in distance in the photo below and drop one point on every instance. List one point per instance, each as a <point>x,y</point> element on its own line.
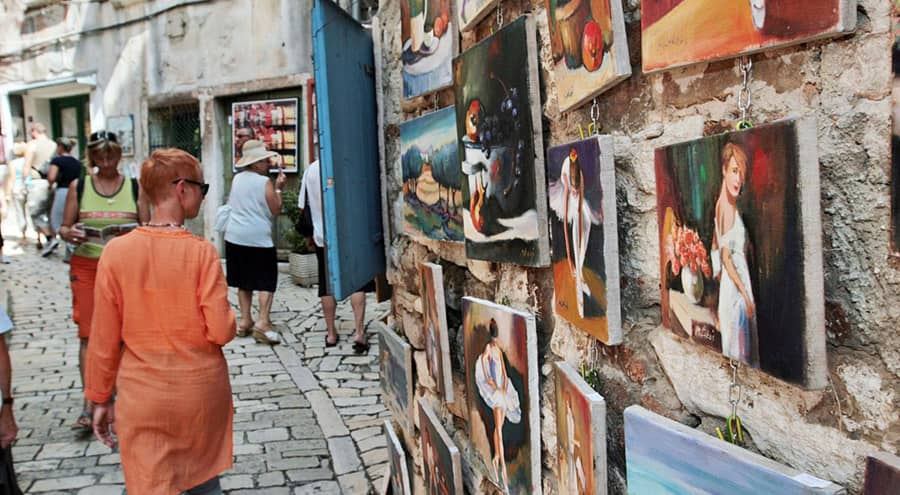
<point>17,189</point>
<point>39,152</point>
<point>64,168</point>
<point>161,318</point>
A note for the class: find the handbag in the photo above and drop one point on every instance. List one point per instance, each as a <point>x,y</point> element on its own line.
<point>223,215</point>
<point>304,225</point>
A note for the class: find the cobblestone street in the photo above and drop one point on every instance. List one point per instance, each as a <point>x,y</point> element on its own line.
<point>307,418</point>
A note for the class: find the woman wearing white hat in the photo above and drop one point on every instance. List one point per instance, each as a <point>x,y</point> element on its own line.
<point>250,257</point>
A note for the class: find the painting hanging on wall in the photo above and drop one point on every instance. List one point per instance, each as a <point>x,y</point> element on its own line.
<point>430,42</point>
<point>664,457</point>
<point>584,240</point>
<point>398,469</point>
<point>580,434</point>
<point>437,342</point>
<point>895,135</point>
<point>429,158</point>
<point>441,463</point>
<point>741,247</point>
<point>395,365</point>
<point>469,12</point>
<point>123,126</point>
<point>275,123</point>
<point>498,125</point>
<point>590,51</point>
<point>675,33</point>
<point>502,394</point>
<point>882,474</point>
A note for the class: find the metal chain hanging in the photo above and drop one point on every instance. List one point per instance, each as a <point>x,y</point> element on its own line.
<point>735,394</point>
<point>745,98</point>
<point>500,15</point>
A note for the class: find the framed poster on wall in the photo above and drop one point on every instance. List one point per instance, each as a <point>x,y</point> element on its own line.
<point>274,122</point>
<point>123,126</point>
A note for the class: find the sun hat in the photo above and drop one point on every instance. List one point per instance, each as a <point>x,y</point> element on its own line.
<point>252,152</point>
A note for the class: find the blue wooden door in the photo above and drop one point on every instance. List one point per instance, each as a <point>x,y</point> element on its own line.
<point>348,137</point>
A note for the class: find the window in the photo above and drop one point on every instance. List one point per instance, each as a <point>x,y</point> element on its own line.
<point>176,126</point>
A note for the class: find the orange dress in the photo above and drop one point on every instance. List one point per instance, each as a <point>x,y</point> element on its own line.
<point>161,317</point>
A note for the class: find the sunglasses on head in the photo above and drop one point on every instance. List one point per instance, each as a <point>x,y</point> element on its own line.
<point>103,135</point>
<point>204,187</point>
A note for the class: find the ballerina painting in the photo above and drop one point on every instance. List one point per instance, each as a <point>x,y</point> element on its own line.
<point>581,434</point>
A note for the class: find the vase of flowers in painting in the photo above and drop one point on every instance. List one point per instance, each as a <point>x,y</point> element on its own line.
<point>692,283</point>
<point>689,259</point>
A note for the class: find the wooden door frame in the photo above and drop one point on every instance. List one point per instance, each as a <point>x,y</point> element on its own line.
<point>58,104</point>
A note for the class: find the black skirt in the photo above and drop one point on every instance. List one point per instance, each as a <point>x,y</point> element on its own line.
<point>251,268</point>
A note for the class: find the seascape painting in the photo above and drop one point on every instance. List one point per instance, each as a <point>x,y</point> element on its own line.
<point>437,343</point>
<point>395,366</point>
<point>441,462</point>
<point>398,471</point>
<point>675,33</point>
<point>498,127</point>
<point>580,433</point>
<point>469,12</point>
<point>741,247</point>
<point>502,394</point>
<point>430,41</point>
<point>590,51</point>
<point>664,457</point>
<point>882,475</point>
<point>584,240</point>
<point>432,198</point>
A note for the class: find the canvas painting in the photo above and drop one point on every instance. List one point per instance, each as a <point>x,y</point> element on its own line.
<point>882,475</point>
<point>895,135</point>
<point>741,247</point>
<point>395,364</point>
<point>437,343</point>
<point>498,125</point>
<point>584,241</point>
<point>398,470</point>
<point>441,462</point>
<point>275,123</point>
<point>432,196</point>
<point>590,51</point>
<point>502,394</point>
<point>430,42</point>
<point>664,457</point>
<point>469,12</point>
<point>580,433</point>
<point>123,126</point>
<point>675,33</point>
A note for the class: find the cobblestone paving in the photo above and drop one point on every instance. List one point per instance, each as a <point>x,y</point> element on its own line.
<point>307,418</point>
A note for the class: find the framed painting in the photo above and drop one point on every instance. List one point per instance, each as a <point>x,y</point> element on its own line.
<point>274,122</point>
<point>498,127</point>
<point>430,41</point>
<point>432,193</point>
<point>589,46</point>
<point>676,33</point>
<point>502,394</point>
<point>664,457</point>
<point>395,365</point>
<point>398,470</point>
<point>470,12</point>
<point>441,462</point>
<point>882,474</point>
<point>580,433</point>
<point>895,134</point>
<point>584,242</point>
<point>123,126</point>
<point>437,343</point>
<point>740,235</point>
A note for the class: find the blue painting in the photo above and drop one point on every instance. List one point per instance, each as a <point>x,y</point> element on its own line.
<point>664,457</point>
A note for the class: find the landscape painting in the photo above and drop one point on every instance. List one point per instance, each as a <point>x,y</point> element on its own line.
<point>502,394</point>
<point>584,241</point>
<point>430,42</point>
<point>395,364</point>
<point>498,127</point>
<point>441,463</point>
<point>590,51</point>
<point>740,238</point>
<point>882,474</point>
<point>437,342</point>
<point>664,457</point>
<point>675,33</point>
<point>432,199</point>
<point>580,433</point>
<point>469,12</point>
<point>399,472</point>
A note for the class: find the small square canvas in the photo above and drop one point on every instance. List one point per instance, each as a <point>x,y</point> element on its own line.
<point>675,33</point>
<point>882,475</point>
<point>498,127</point>
<point>502,394</point>
<point>469,12</point>
<point>437,342</point>
<point>398,470</point>
<point>584,241</point>
<point>580,433</point>
<point>395,364</point>
<point>432,194</point>
<point>590,50</point>
<point>428,32</point>
<point>664,457</point>
<point>740,235</point>
<point>441,461</point>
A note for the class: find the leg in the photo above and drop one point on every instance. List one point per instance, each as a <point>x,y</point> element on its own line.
<point>358,302</point>
<point>329,307</point>
<point>245,302</point>
<point>500,418</point>
<point>211,487</point>
<point>498,441</point>
<point>265,309</point>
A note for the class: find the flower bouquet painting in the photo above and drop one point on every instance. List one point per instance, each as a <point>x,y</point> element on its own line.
<point>688,257</point>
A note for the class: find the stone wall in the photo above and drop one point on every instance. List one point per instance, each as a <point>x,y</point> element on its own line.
<point>845,83</point>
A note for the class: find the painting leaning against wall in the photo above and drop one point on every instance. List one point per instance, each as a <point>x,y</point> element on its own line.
<point>580,433</point>
<point>430,42</point>
<point>395,366</point>
<point>741,247</point>
<point>398,468</point>
<point>441,463</point>
<point>437,342</point>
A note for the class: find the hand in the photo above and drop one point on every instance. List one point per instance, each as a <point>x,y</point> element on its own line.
<point>311,244</point>
<point>8,428</point>
<point>105,424</point>
<point>74,234</point>
<point>751,308</point>
<point>279,181</point>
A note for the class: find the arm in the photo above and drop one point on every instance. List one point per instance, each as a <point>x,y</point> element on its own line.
<point>105,346</point>
<point>70,216</point>
<point>29,162</point>
<point>8,428</point>
<point>728,264</point>
<point>273,199</point>
<point>213,297</point>
<point>51,175</point>
<point>566,223</point>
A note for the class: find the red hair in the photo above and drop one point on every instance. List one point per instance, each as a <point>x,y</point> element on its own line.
<point>165,166</point>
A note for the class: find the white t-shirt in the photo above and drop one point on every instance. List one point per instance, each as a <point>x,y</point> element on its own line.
<point>312,185</point>
<point>250,223</point>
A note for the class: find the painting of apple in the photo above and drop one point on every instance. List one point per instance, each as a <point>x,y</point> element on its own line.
<point>592,46</point>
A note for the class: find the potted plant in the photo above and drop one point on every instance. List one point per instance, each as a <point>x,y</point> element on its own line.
<point>303,267</point>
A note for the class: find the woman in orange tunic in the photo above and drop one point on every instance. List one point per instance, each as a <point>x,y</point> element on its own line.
<point>161,317</point>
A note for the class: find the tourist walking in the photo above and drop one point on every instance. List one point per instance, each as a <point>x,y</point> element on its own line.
<point>38,154</point>
<point>250,258</point>
<point>17,189</point>
<point>160,321</point>
<point>64,168</point>
<point>104,199</point>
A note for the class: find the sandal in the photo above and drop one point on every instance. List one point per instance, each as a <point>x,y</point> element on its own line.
<point>270,337</point>
<point>361,347</point>
<point>244,331</point>
<point>332,344</point>
<point>84,421</point>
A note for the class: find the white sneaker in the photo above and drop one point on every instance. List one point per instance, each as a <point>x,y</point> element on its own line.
<point>4,259</point>
<point>270,337</point>
<point>50,247</point>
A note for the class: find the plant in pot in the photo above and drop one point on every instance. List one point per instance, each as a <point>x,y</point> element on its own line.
<point>303,268</point>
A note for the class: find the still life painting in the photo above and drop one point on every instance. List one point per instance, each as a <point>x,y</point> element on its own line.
<point>741,247</point>
<point>430,42</point>
<point>398,472</point>
<point>580,434</point>
<point>590,51</point>
<point>437,342</point>
<point>502,394</point>
<point>498,126</point>
<point>429,159</point>
<point>395,366</point>
<point>441,463</point>
<point>584,241</point>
